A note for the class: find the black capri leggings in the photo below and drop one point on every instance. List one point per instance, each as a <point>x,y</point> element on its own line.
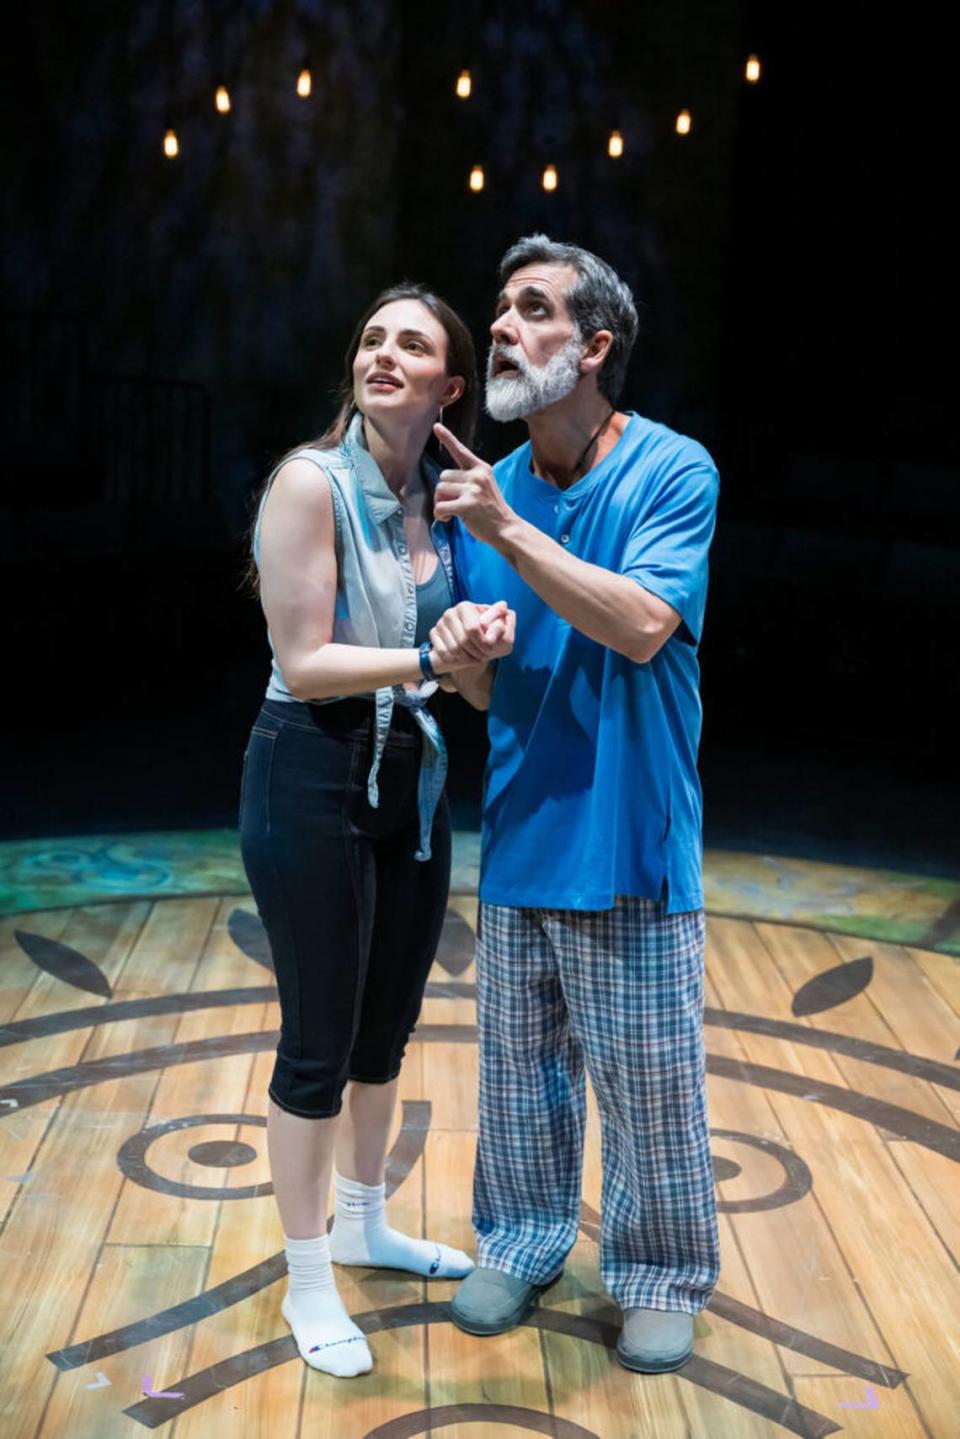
<point>352,918</point>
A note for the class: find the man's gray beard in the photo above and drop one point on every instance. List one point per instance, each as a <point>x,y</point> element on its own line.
<point>518,396</point>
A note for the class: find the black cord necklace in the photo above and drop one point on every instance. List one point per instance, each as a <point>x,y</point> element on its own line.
<point>592,441</point>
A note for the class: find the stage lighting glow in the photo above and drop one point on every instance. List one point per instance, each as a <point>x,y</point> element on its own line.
<point>464,84</point>
<point>753,69</point>
<point>684,122</point>
<point>223,99</point>
<point>476,178</point>
<point>615,145</point>
<point>304,84</point>
<point>550,177</point>
<point>171,145</point>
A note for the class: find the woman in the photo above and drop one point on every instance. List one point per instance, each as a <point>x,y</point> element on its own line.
<point>344,829</point>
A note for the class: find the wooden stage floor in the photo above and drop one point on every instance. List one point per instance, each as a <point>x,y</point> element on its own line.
<point>141,1248</point>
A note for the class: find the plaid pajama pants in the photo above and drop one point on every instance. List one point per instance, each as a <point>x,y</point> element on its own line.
<point>619,992</point>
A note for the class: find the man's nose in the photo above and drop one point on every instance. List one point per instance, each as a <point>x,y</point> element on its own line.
<point>503,329</point>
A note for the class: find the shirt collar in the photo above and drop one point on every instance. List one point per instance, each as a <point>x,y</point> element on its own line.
<point>381,501</point>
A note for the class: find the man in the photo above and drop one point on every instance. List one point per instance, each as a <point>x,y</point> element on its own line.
<point>591,929</point>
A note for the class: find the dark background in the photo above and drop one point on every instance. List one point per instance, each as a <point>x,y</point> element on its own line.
<point>173,326</point>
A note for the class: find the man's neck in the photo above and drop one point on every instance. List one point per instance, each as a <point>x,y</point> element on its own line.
<point>572,437</point>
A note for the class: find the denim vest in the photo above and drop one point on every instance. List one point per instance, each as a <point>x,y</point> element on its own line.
<point>376,601</point>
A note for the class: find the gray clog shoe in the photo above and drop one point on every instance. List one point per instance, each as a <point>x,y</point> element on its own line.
<point>491,1302</point>
<point>654,1341</point>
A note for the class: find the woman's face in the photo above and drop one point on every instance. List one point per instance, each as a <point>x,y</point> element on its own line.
<point>401,365</point>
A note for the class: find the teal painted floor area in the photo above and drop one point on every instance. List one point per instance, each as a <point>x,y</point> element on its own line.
<point>905,909</point>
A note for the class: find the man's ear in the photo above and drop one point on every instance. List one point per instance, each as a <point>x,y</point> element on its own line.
<point>596,351</point>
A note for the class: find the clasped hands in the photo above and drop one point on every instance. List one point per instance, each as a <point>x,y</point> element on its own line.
<point>468,636</point>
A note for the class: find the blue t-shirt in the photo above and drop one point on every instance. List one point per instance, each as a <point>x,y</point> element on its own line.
<point>591,789</point>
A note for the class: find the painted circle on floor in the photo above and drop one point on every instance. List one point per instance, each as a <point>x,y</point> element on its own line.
<point>225,1154</point>
<point>797,1180</point>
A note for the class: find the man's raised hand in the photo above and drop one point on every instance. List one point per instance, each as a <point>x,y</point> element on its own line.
<point>469,493</point>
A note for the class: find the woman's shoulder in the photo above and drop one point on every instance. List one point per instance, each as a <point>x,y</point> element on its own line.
<point>308,470</point>
<point>303,480</point>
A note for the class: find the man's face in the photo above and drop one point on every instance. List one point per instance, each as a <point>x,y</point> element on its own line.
<point>534,360</point>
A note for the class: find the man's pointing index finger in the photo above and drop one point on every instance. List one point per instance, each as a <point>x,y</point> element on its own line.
<point>463,457</point>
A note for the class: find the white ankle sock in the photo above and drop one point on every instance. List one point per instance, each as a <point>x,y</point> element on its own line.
<point>326,1336</point>
<point>361,1235</point>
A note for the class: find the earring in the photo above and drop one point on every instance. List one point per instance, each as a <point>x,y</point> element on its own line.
<point>440,416</point>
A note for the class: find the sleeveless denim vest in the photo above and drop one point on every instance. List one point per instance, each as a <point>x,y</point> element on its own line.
<point>376,600</point>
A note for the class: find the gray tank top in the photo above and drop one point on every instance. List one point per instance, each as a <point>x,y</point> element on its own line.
<point>433,598</point>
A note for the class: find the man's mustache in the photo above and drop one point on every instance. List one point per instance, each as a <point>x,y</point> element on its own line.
<point>513,353</point>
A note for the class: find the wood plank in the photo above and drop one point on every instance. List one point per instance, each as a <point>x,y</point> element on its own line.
<point>128,1283</point>
<point>21,1136</point>
<point>800,955</point>
<point>898,1267</point>
<point>105,933</point>
<point>163,960</point>
<point>815,1293</point>
<point>397,1384</point>
<point>53,1235</point>
<point>913,1009</point>
<point>942,972</point>
<point>18,973</point>
<point>188,940</point>
<point>450,1073</point>
<point>723,1342</point>
<point>248,1231</point>
<point>462,1369</point>
<point>933,1180</point>
<point>895,1416</point>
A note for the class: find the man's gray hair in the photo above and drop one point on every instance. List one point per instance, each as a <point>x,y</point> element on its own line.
<point>599,300</point>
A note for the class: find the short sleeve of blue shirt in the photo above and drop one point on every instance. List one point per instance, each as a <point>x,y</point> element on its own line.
<point>667,552</point>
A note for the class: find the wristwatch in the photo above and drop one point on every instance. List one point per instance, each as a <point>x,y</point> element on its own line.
<point>426,668</point>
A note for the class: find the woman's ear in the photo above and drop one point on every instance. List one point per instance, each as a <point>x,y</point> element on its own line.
<point>455,388</point>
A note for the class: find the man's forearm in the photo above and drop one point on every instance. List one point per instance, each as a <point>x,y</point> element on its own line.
<point>473,683</point>
<point>608,608</point>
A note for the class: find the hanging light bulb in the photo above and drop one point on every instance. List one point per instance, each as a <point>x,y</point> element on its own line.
<point>753,69</point>
<point>464,85</point>
<point>304,84</point>
<point>476,178</point>
<point>615,145</point>
<point>223,99</point>
<point>550,177</point>
<point>171,146</point>
<point>684,122</point>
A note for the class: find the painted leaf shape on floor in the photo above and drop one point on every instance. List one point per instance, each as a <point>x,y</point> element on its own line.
<point>63,962</point>
<point>457,943</point>
<point>248,934</point>
<point>833,986</point>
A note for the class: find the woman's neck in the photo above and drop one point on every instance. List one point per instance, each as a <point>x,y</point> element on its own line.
<point>397,453</point>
